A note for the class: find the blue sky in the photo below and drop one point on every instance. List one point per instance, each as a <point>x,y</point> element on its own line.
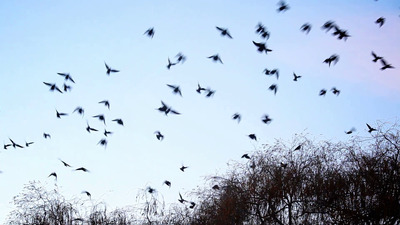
<point>40,39</point>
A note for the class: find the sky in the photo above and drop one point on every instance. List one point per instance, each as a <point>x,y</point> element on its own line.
<point>40,39</point>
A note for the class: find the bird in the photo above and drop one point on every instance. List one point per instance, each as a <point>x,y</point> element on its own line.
<point>82,169</point>
<point>215,187</point>
<point>246,156</point>
<point>28,143</point>
<point>216,58</point>
<point>54,175</point>
<point>106,103</point>
<point>224,32</point>
<point>295,77</point>
<point>88,128</point>
<point>376,57</point>
<point>237,117</point>
<point>80,110</point>
<point>166,109</point>
<point>149,32</point>
<point>273,87</point>
<point>175,89</point>
<point>106,132</point>
<point>272,72</point>
<point>386,65</point>
<point>328,25</point>
<point>282,6</point>
<point>297,148</point>
<point>66,87</point>
<point>53,87</point>
<point>159,136</point>
<point>306,28</point>
<point>181,200</point>
<point>15,144</point>
<point>370,129</point>
<point>183,168</point>
<point>266,119</point>
<point>59,115</point>
<point>380,21</point>
<point>210,92</point>
<point>180,58</point>
<point>350,131</point>
<point>168,183</point>
<point>262,47</point>
<point>66,77</point>
<point>103,142</point>
<point>151,190</point>
<point>101,118</point>
<point>283,165</point>
<point>65,164</point>
<point>260,28</point>
<point>110,70</point>
<point>170,64</point>
<point>87,193</point>
<point>6,146</point>
<point>333,58</point>
<point>342,34</point>
<point>335,91</point>
<point>119,121</point>
<point>322,92</point>
<point>253,137</point>
<point>45,135</point>
<point>192,205</point>
<point>199,88</point>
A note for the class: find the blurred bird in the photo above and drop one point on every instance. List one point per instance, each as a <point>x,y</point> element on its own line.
<point>66,77</point>
<point>237,117</point>
<point>149,32</point>
<point>106,103</point>
<point>54,175</point>
<point>15,144</point>
<point>181,200</point>
<point>306,28</point>
<point>166,109</point>
<point>159,136</point>
<point>328,25</point>
<point>386,65</point>
<point>215,187</point>
<point>170,64</point>
<point>151,190</point>
<point>216,58</point>
<point>80,110</point>
<point>46,135</point>
<point>59,115</point>
<point>175,89</point>
<point>272,72</point>
<point>246,156</point>
<point>297,148</point>
<point>335,91</point>
<point>380,21</point>
<point>253,137</point>
<point>333,58</point>
<point>180,58</point>
<point>224,32</point>
<point>192,205</point>
<point>103,142</point>
<point>119,121</point>
<point>322,92</point>
<point>376,57</point>
<point>6,146</point>
<point>199,89</point>
<point>342,34</point>
<point>28,143</point>
<point>82,169</point>
<point>295,77</point>
<point>266,119</point>
<point>210,92</point>
<point>87,193</point>
<point>101,118</point>
<point>370,129</point>
<point>65,164</point>
<point>183,168</point>
<point>88,128</point>
<point>282,6</point>
<point>260,28</point>
<point>106,133</point>
<point>168,183</point>
<point>350,131</point>
<point>273,87</point>
<point>262,47</point>
<point>110,70</point>
<point>66,87</point>
<point>53,87</point>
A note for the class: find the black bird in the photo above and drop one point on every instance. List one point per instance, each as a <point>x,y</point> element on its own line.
<point>101,118</point>
<point>159,136</point>
<point>107,132</point>
<point>380,21</point>
<point>180,58</point>
<point>65,164</point>
<point>283,165</point>
<point>260,28</point>
<point>210,92</point>
<point>170,64</point>
<point>272,72</point>
<point>335,91</point>
<point>350,131</point>
<point>342,34</point>
<point>66,77</point>
<point>237,117</point>
<point>224,32</point>
<point>88,128</point>
<point>151,190</point>
<point>297,148</point>
<point>376,57</point>
<point>386,65</point>
<point>80,110</point>
<point>53,87</point>
<point>246,156</point>
<point>15,144</point>
<point>216,58</point>
<point>322,92</point>
<point>199,89</point>
<point>181,200</point>
<point>183,168</point>
<point>166,109</point>
<point>265,34</point>
<point>175,89</point>
<point>82,169</point>
<point>6,146</point>
<point>168,183</point>
<point>59,115</point>
<point>266,119</point>
<point>87,193</point>
<point>192,205</point>
<point>103,142</point>
<point>46,135</point>
<point>110,70</point>
<point>295,77</point>
<point>273,87</point>
<point>28,143</point>
<point>333,58</point>
<point>328,25</point>
<point>54,175</point>
<point>119,121</point>
<point>67,87</point>
<point>262,47</point>
<point>282,6</point>
<point>106,103</point>
<point>253,137</point>
<point>215,187</point>
<point>306,28</point>
<point>149,32</point>
<point>370,129</point>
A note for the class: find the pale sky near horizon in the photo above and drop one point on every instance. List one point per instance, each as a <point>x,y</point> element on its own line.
<point>40,39</point>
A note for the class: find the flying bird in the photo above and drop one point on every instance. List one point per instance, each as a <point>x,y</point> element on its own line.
<point>333,58</point>
<point>106,132</point>
<point>53,87</point>
<point>272,72</point>
<point>168,183</point>
<point>215,187</point>
<point>59,115</point>
<point>183,168</point>
<point>273,87</point>
<point>350,131</point>
<point>246,156</point>
<point>88,128</point>
<point>106,103</point>
<point>103,142</point>
<point>149,32</point>
<point>175,89</point>
<point>28,143</point>
<point>282,6</point>
<point>237,117</point>
<point>266,119</point>
<point>82,169</point>
<point>66,77</point>
<point>335,91</point>
<point>295,77</point>
<point>260,29</point>
<point>216,58</point>
<point>101,118</point>
<point>151,190</point>
<point>386,65</point>
<point>370,129</point>
<point>181,200</point>
<point>80,110</point>
<point>15,144</point>
<point>192,205</point>
<point>66,87</point>
<point>46,135</point>
<point>159,136</point>
<point>180,58</point>
<point>306,28</point>
<point>119,121</point>
<point>210,92</point>
<point>110,70</point>
<point>87,193</point>
<point>65,164</point>
<point>170,64</point>
<point>328,25</point>
<point>322,92</point>
<point>380,21</point>
<point>54,175</point>
<point>342,34</point>
<point>297,148</point>
<point>253,137</point>
<point>262,47</point>
<point>199,89</point>
<point>376,57</point>
<point>224,32</point>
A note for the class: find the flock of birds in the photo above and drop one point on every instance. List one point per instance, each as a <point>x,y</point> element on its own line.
<point>261,30</point>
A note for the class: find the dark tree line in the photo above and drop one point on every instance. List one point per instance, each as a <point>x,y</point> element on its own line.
<point>301,182</point>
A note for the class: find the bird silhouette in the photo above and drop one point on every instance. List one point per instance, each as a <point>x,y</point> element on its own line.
<point>66,87</point>
<point>103,142</point>
<point>175,89</point>
<point>322,92</point>
<point>45,135</point>
<point>306,28</point>
<point>386,65</point>
<point>350,131</point>
<point>215,187</point>
<point>210,92</point>
<point>262,30</point>
<point>335,91</point>
<point>87,194</point>
<point>183,168</point>
<point>59,115</point>
<point>199,89</point>
<point>88,128</point>
<point>342,34</point>
<point>53,87</point>
<point>15,144</point>
<point>192,205</point>
<point>253,137</point>
<point>82,169</point>
<point>380,21</point>
<point>224,32</point>
<point>80,110</point>
<point>159,136</point>
<point>166,109</point>
<point>180,58</point>
<point>54,174</point>
<point>266,119</point>
<point>274,88</point>
<point>28,143</point>
<point>245,156</point>
<point>272,72</point>
<point>149,32</point>
<point>282,6</point>
<point>181,200</point>
<point>65,164</point>
<point>67,77</point>
<point>283,165</point>
<point>119,121</point>
<point>295,77</point>
<point>333,58</point>
<point>106,103</point>
<point>370,129</point>
<point>106,133</point>
<point>101,118</point>
<point>216,58</point>
<point>110,70</point>
<point>237,117</point>
<point>170,64</point>
<point>297,148</point>
<point>262,47</point>
<point>376,57</point>
<point>328,25</point>
<point>168,183</point>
